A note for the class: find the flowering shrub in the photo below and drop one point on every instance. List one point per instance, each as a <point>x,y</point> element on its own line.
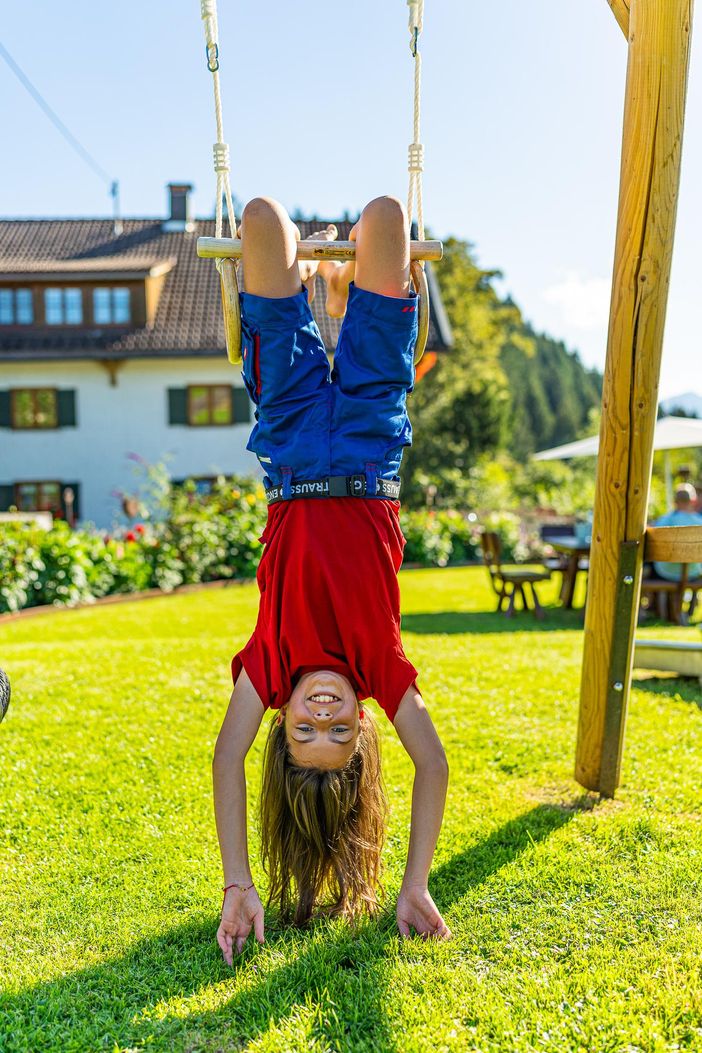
<point>189,537</point>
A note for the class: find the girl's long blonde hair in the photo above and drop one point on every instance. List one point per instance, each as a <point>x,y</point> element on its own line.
<point>322,832</point>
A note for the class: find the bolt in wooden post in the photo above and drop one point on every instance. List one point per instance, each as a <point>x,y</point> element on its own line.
<point>654,109</point>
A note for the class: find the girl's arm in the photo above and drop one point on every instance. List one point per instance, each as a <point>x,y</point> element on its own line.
<point>415,907</point>
<point>241,910</point>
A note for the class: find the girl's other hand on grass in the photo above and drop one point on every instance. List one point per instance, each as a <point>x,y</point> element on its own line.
<point>241,912</point>
<point>417,910</point>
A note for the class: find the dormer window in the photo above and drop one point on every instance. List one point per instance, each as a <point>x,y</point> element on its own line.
<point>16,307</point>
<point>111,306</point>
<point>63,306</point>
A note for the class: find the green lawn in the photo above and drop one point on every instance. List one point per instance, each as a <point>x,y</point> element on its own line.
<point>577,923</point>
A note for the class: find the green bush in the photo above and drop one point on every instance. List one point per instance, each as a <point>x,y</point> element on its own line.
<point>188,537</point>
<point>437,538</point>
<point>20,565</point>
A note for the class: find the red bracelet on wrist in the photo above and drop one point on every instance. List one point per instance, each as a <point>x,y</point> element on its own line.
<point>235,884</point>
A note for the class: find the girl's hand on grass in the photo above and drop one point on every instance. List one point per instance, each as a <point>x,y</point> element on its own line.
<point>417,910</point>
<point>241,912</point>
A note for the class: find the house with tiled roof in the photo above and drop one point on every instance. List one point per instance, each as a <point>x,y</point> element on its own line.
<point>111,343</point>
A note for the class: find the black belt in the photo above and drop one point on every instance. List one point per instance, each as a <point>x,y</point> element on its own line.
<point>335,486</point>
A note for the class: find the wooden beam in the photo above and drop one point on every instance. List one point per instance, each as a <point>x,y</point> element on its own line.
<point>228,248</point>
<point>620,9</point>
<point>674,544</point>
<point>656,86</point>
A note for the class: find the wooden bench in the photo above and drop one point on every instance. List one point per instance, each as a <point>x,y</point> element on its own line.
<point>673,545</point>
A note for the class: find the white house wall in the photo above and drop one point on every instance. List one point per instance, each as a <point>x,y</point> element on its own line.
<point>111,422</point>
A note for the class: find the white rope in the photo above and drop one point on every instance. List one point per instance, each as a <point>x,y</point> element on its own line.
<point>415,164</point>
<point>220,149</point>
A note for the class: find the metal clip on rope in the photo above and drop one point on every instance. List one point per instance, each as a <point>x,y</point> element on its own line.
<point>212,52</point>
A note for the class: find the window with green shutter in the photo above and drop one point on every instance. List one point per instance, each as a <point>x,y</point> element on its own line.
<point>209,405</point>
<point>31,409</point>
<point>38,496</point>
<point>34,408</point>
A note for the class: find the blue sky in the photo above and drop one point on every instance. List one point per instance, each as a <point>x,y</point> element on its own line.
<point>522,130</point>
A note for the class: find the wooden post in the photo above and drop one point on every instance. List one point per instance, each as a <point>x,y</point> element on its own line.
<point>620,10</point>
<point>656,86</point>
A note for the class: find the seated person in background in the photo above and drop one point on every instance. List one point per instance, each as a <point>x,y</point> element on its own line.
<point>682,515</point>
<point>684,476</point>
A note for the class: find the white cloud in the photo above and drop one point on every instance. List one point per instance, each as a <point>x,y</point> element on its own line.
<point>583,302</point>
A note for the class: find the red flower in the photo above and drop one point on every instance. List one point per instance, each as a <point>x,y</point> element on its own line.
<point>130,536</point>
<point>139,528</point>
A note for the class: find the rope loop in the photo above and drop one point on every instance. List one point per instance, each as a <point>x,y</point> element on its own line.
<point>212,52</point>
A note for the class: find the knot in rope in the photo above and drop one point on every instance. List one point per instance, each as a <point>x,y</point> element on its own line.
<point>220,152</point>
<point>415,161</point>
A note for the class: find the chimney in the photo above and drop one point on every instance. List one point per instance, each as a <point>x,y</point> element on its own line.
<point>179,201</point>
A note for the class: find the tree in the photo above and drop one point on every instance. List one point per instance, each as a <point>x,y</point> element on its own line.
<point>502,386</point>
<point>460,408</point>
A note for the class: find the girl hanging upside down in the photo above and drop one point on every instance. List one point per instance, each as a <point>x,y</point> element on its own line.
<point>328,630</point>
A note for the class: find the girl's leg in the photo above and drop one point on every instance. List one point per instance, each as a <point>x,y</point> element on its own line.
<point>382,251</point>
<point>269,251</point>
<point>269,242</point>
<point>382,256</point>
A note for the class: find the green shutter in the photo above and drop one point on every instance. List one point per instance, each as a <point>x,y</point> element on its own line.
<point>7,496</point>
<point>177,405</point>
<point>5,412</point>
<point>241,406</point>
<point>66,409</point>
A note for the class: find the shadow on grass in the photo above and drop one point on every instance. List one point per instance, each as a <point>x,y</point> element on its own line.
<point>671,686</point>
<point>341,974</point>
<point>556,619</point>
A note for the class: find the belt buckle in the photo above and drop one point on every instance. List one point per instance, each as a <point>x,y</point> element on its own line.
<point>356,485</point>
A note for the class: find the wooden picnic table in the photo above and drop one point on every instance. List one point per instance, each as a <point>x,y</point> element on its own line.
<point>575,550</point>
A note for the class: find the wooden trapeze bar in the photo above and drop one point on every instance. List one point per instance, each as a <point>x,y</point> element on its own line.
<point>230,248</point>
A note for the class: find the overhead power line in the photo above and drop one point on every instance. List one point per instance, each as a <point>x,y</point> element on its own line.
<point>57,122</point>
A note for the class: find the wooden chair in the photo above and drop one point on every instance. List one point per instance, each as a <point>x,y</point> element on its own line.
<point>510,582</point>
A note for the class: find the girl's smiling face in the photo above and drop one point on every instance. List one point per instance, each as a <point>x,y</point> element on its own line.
<point>321,721</point>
